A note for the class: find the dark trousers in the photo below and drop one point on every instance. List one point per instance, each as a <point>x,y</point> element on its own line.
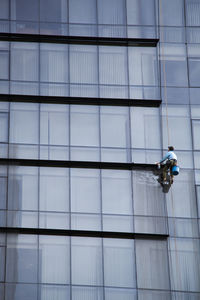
<point>169,164</point>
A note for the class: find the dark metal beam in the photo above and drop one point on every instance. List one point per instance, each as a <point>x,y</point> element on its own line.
<point>83,40</point>
<point>83,233</point>
<point>80,100</point>
<point>77,164</point>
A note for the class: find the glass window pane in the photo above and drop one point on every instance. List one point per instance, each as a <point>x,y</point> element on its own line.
<point>4,9</point>
<point>54,125</point>
<point>147,194</point>
<point>24,61</point>
<point>116,192</point>
<point>111,11</point>
<point>54,259</point>
<point>194,71</point>
<point>115,127</point>
<point>119,263</point>
<point>54,63</point>
<point>173,65</point>
<point>54,189</point>
<point>184,264</point>
<point>22,256</point>
<point>4,59</point>
<point>84,126</point>
<point>172,12</point>
<point>140,12</point>
<point>178,118</point>
<point>24,121</point>
<point>25,10</point>
<point>89,293</point>
<point>143,68</point>
<point>21,291</point>
<point>85,190</point>
<point>111,60</point>
<point>59,292</point>
<point>119,293</point>
<point>154,295</point>
<point>53,11</point>
<point>196,134</point>
<point>4,127</point>
<point>193,13</point>
<point>152,264</point>
<point>86,261</point>
<point>82,11</point>
<point>183,202</point>
<point>145,128</point>
<point>23,188</point>
<point>83,64</point>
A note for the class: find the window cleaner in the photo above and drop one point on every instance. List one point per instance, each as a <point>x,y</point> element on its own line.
<point>169,168</point>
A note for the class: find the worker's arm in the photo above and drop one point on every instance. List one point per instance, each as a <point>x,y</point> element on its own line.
<point>164,158</point>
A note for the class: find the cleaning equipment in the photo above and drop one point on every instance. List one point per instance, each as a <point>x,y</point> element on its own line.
<point>175,170</point>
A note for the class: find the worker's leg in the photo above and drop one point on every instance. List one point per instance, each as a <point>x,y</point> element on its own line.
<point>165,169</point>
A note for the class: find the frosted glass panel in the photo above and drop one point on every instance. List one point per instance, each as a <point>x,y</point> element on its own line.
<point>152,264</point>
<point>4,59</point>
<point>21,291</point>
<point>25,10</point>
<point>89,293</point>
<point>196,134</point>
<point>85,190</point>
<point>172,12</point>
<point>111,11</point>
<point>116,192</point>
<point>24,61</point>
<point>111,60</point>
<point>143,68</point>
<point>184,264</point>
<point>86,261</point>
<point>145,128</point>
<point>83,64</point>
<point>54,189</point>
<point>82,11</point>
<point>53,11</point>
<point>4,127</point>
<point>54,125</point>
<point>192,13</point>
<point>54,259</point>
<point>140,12</point>
<point>119,263</point>
<point>22,256</point>
<point>23,188</point>
<point>59,292</point>
<point>54,62</point>
<point>115,127</point>
<point>84,126</point>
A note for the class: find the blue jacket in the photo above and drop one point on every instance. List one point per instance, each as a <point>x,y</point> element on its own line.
<point>169,155</point>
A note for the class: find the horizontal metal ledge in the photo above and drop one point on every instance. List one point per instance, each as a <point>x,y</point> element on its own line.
<point>83,40</point>
<point>80,100</point>
<point>83,233</point>
<point>77,164</point>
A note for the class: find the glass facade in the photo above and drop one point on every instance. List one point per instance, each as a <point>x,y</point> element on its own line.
<point>98,227</point>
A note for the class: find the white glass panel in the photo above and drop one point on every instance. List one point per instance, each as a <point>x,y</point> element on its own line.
<point>86,261</point>
<point>86,222</point>
<point>53,11</point>
<point>82,11</point>
<point>111,60</point>
<point>24,61</point>
<point>54,220</point>
<point>179,227</point>
<point>196,134</point>
<point>54,125</point>
<point>152,264</point>
<point>119,263</point>
<point>147,194</point>
<point>54,259</point>
<point>116,192</point>
<point>85,190</point>
<point>185,296</point>
<point>54,189</point>
<point>184,264</point>
<point>4,9</point>
<point>153,295</point>
<point>115,127</point>
<point>115,155</point>
<point>3,127</point>
<point>54,89</point>
<point>192,12</point>
<point>182,201</point>
<point>23,188</point>
<point>140,12</point>
<point>178,118</point>
<point>54,62</point>
<point>21,291</point>
<point>117,223</point>
<point>83,64</point>
<point>22,219</point>
<point>4,58</point>
<point>151,225</point>
<point>111,11</point>
<point>84,126</point>
<point>143,68</point>
<point>89,293</point>
<point>51,292</point>
<point>24,124</point>
<point>171,12</point>
<point>22,255</point>
<point>85,153</point>
<point>25,10</point>
<point>145,128</point>
<point>119,293</point>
